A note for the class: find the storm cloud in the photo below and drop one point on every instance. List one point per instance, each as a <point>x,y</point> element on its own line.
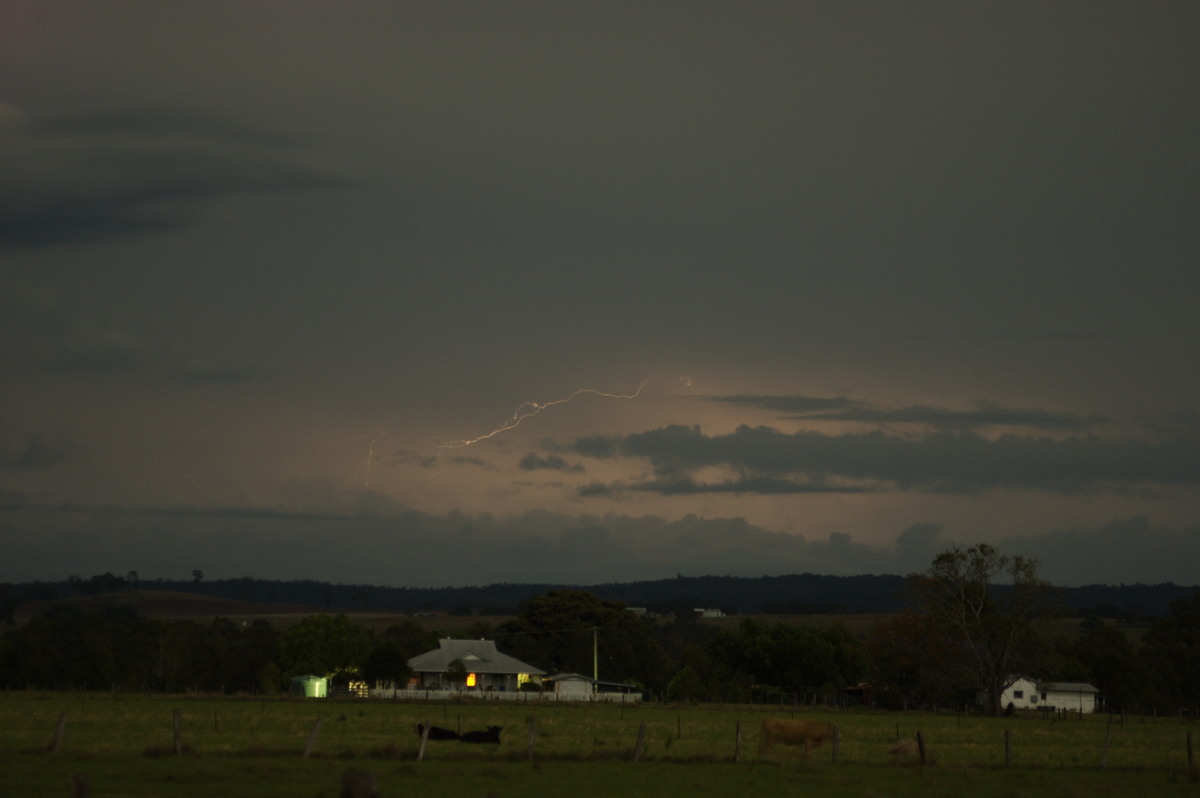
<point>93,176</point>
<point>936,462</point>
<point>710,286</point>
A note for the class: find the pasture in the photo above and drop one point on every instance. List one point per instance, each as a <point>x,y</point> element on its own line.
<point>125,745</point>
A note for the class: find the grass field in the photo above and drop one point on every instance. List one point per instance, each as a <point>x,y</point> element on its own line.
<point>125,746</point>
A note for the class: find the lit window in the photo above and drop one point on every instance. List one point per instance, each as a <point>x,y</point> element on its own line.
<point>470,680</point>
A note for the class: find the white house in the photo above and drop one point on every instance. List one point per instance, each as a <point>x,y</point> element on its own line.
<point>1025,693</point>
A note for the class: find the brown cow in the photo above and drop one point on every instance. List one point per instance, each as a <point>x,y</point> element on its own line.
<point>809,733</point>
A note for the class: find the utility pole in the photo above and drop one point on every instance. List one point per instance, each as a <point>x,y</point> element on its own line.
<point>595,655</point>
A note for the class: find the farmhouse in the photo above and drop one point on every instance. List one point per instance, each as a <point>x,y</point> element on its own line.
<point>470,665</point>
<point>1025,693</point>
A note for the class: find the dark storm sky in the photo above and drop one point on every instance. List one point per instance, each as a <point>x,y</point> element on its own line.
<point>740,288</point>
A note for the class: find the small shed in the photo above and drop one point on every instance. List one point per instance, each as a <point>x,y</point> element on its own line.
<point>576,685</point>
<point>1071,696</point>
<point>570,685</point>
<point>310,686</point>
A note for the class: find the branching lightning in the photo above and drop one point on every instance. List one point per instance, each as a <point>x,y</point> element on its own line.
<point>375,437</point>
<point>527,410</point>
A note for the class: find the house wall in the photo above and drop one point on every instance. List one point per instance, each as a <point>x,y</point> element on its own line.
<point>1026,694</point>
<point>1022,694</point>
<point>573,688</point>
<point>1072,701</point>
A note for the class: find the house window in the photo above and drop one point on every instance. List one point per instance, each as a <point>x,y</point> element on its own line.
<point>1018,694</point>
<point>470,680</point>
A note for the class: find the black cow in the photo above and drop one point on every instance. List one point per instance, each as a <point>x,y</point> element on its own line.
<point>437,733</point>
<point>492,735</point>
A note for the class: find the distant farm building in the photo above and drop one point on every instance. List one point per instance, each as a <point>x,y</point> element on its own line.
<point>1048,696</point>
<point>577,687</point>
<point>471,665</point>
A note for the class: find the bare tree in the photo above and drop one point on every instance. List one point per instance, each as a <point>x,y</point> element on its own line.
<point>986,604</point>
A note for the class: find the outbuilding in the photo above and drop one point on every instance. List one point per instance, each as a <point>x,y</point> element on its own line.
<point>1025,693</point>
<point>577,687</point>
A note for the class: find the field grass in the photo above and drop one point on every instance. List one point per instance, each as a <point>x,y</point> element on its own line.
<point>125,746</point>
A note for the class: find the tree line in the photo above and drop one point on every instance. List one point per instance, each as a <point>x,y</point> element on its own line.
<point>790,594</point>
<point>972,625</point>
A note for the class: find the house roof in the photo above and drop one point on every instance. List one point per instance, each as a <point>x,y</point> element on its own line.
<point>568,677</point>
<point>579,677</point>
<point>478,656</point>
<point>1070,687</point>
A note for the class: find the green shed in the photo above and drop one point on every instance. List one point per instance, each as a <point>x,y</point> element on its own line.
<point>310,686</point>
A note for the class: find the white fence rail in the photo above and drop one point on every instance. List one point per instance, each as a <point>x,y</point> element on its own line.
<point>401,694</point>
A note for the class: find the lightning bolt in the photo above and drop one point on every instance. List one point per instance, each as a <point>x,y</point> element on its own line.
<point>375,437</point>
<point>527,410</point>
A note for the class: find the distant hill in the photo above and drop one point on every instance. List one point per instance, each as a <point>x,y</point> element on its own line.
<point>161,604</point>
<point>784,595</point>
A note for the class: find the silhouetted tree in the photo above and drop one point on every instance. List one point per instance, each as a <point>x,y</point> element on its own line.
<point>788,658</point>
<point>1113,664</point>
<point>1172,645</point>
<point>387,664</point>
<point>985,604</point>
<point>568,630</point>
<point>323,644</point>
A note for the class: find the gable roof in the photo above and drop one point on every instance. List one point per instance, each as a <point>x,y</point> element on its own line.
<point>478,656</point>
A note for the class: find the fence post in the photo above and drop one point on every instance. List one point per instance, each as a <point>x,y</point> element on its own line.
<point>641,742</point>
<point>178,733</point>
<point>1191,759</point>
<point>532,735</point>
<point>737,744</point>
<point>312,738</point>
<point>837,742</point>
<point>1008,748</point>
<point>1104,756</point>
<point>921,747</point>
<point>62,728</point>
<point>424,737</point>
